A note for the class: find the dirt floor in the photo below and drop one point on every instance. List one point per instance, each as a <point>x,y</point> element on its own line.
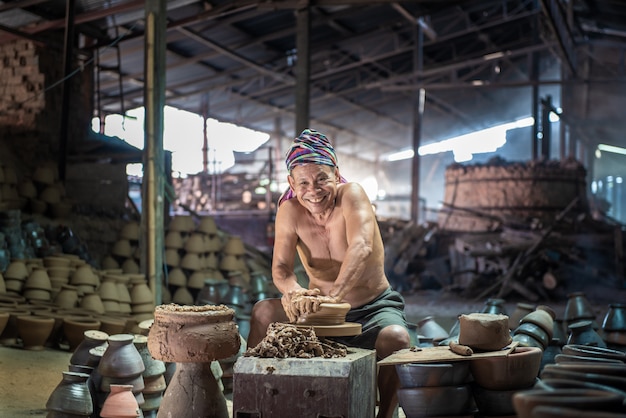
<point>28,377</point>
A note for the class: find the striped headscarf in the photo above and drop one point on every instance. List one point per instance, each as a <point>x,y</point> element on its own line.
<point>311,147</point>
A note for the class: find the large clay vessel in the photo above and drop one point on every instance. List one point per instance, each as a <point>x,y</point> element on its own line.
<point>193,337</point>
<point>120,403</point>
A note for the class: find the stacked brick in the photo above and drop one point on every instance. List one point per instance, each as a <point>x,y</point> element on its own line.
<point>21,84</point>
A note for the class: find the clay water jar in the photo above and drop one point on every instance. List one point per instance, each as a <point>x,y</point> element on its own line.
<point>71,395</point>
<point>517,370</point>
<point>121,358</point>
<point>581,399</point>
<point>578,307</point>
<point>120,403</point>
<point>91,338</point>
<point>582,333</point>
<point>34,331</point>
<point>615,318</point>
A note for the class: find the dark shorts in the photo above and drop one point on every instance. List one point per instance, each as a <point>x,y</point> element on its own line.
<point>387,309</point>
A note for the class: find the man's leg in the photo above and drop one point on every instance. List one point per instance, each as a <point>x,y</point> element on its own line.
<point>390,339</point>
<point>263,314</point>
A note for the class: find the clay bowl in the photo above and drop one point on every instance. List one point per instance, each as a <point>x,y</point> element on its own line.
<point>617,369</point>
<point>517,370</point>
<point>494,403</point>
<point>556,371</point>
<point>552,383</point>
<point>568,358</point>
<point>591,351</point>
<point>581,399</point>
<point>563,412</point>
<point>328,314</point>
<point>413,375</point>
<point>436,401</point>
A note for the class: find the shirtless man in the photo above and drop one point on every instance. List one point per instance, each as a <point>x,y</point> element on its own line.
<point>332,226</point>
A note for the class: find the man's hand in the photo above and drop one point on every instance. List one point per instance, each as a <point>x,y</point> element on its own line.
<point>301,301</point>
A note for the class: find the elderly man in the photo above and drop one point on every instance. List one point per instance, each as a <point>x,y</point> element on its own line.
<point>330,223</point>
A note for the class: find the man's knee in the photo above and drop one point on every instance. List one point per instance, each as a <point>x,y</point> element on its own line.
<point>390,339</point>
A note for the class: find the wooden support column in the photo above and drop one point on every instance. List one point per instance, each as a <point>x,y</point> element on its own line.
<point>418,118</point>
<point>303,69</point>
<point>154,161</point>
<point>68,55</point>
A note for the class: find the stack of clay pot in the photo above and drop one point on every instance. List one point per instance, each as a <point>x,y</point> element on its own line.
<point>59,270</point>
<point>153,377</point>
<point>50,198</point>
<point>585,381</point>
<point>14,277</point>
<point>579,309</point>
<point>121,364</point>
<point>435,389</point>
<point>9,196</point>
<point>37,286</point>
<point>142,299</point>
<point>536,328</point>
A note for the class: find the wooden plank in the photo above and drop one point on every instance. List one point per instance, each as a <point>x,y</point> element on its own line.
<point>439,354</point>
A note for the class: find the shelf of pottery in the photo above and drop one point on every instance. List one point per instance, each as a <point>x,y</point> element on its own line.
<point>203,265</point>
<point>50,302</point>
<point>39,192</point>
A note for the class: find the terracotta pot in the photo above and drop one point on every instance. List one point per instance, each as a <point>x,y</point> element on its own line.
<point>92,302</point>
<point>120,403</point>
<point>207,225</point>
<point>136,382</point>
<point>193,333</point>
<point>9,334</point>
<point>234,246</point>
<point>191,261</point>
<point>140,292</point>
<point>71,395</point>
<point>581,399</point>
<point>433,374</point>
<point>183,296</point>
<point>34,331</point>
<point>517,370</point>
<point>121,359</point>
<point>130,231</point>
<point>494,403</point>
<point>535,331</point>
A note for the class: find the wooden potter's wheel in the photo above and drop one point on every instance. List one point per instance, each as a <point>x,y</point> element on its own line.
<point>329,321</point>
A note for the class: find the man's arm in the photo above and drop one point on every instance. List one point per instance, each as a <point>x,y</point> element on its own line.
<point>283,274</point>
<point>360,227</point>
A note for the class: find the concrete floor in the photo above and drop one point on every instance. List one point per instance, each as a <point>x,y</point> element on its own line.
<point>28,377</point>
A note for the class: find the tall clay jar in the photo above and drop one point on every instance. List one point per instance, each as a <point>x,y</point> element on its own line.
<point>71,396</point>
<point>193,337</point>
